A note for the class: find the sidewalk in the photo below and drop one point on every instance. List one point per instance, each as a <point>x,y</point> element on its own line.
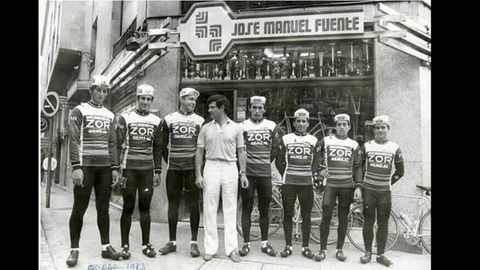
<point>55,243</point>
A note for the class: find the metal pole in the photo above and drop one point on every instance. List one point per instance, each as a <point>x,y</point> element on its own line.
<point>49,172</point>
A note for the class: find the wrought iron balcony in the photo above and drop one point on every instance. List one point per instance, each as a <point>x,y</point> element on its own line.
<point>122,42</point>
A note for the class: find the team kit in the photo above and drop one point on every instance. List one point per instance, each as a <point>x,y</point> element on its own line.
<point>126,153</point>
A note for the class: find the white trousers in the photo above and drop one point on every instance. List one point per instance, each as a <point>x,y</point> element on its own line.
<point>220,176</point>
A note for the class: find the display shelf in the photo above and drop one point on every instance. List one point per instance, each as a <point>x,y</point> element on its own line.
<point>275,83</point>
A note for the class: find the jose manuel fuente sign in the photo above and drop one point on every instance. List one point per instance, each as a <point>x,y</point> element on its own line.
<point>208,30</point>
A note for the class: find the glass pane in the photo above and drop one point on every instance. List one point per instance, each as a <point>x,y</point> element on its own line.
<point>323,103</point>
<point>310,59</point>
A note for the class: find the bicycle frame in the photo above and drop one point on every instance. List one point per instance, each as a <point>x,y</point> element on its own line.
<point>413,234</point>
<point>297,218</point>
<point>422,200</point>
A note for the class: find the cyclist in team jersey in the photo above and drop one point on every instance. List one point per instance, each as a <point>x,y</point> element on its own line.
<point>297,160</point>
<point>258,133</point>
<point>379,156</point>
<point>180,131</point>
<point>341,166</point>
<point>138,141</point>
<point>93,154</point>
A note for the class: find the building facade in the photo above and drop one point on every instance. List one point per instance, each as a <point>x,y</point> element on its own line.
<point>363,58</point>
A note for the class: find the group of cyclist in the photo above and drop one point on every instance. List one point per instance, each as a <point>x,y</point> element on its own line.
<point>126,153</point>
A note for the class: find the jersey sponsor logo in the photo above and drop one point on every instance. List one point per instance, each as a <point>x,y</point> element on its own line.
<point>97,125</point>
<point>141,131</point>
<point>379,160</point>
<point>339,154</point>
<point>184,130</point>
<point>259,137</point>
<point>296,151</point>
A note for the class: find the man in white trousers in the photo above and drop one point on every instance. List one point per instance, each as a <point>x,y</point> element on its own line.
<point>222,141</point>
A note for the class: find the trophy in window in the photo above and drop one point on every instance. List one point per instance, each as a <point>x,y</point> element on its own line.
<point>304,65</point>
<point>191,70</point>
<point>251,67</point>
<point>358,66</point>
<point>208,71</point>
<point>276,69</point>
<point>294,66</point>
<point>288,66</point>
<point>226,64</point>
<point>242,67</point>
<point>329,71</point>
<point>351,69</point>
<point>258,67</point>
<point>339,65</point>
<point>197,71</point>
<point>320,64</point>
<point>311,65</point>
<point>234,67</point>
<point>203,71</point>
<point>221,70</point>
<point>214,71</point>
<point>332,68</point>
<point>266,64</point>
<point>367,70</point>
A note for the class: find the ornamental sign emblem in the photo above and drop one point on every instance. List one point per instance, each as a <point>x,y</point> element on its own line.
<point>210,29</point>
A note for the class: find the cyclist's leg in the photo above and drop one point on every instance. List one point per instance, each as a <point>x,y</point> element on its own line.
<point>328,204</point>
<point>81,197</point>
<point>103,190</point>
<point>247,206</point>
<point>128,194</point>
<point>369,204</point>
<point>145,193</point>
<point>305,197</point>
<point>174,185</point>
<point>289,194</point>
<point>264,190</point>
<point>193,194</point>
<point>384,207</point>
<point>345,197</point>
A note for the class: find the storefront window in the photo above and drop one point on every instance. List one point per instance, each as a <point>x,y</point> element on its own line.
<point>320,59</point>
<point>325,77</point>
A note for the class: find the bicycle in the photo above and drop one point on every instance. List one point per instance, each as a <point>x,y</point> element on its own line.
<point>276,217</point>
<point>275,214</point>
<point>416,232</point>
<point>316,218</point>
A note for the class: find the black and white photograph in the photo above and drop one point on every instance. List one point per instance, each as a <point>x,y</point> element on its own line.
<point>236,135</point>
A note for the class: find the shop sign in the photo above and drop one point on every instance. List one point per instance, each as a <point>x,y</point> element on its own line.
<point>209,30</point>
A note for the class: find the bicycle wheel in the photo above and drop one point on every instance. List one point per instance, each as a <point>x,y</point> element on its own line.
<point>316,220</point>
<point>355,230</point>
<point>425,232</point>
<point>275,217</point>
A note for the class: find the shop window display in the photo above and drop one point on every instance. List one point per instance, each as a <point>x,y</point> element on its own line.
<point>324,77</point>
<point>320,59</point>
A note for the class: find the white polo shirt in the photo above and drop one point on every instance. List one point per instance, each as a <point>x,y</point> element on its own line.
<point>221,142</point>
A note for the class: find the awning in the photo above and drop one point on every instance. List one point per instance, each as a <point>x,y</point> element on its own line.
<point>64,71</point>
